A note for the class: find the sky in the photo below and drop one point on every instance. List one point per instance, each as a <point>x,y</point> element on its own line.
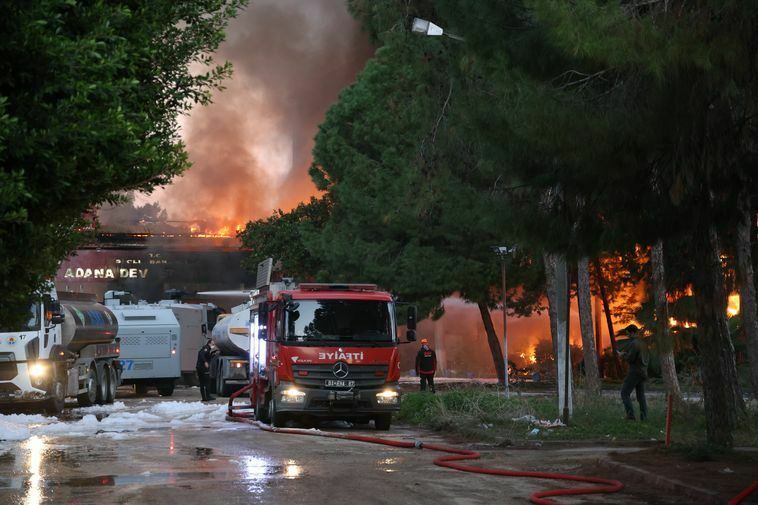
<point>251,148</point>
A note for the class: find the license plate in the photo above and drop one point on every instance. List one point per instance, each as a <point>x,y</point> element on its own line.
<point>331,383</point>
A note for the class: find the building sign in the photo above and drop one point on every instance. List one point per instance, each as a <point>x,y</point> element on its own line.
<point>149,272</point>
<point>106,273</point>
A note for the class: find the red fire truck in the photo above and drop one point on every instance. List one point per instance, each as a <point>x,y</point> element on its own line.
<point>327,351</point>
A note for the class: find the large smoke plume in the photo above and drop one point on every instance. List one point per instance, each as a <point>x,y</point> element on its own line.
<point>252,147</point>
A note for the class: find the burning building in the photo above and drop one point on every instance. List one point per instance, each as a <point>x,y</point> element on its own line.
<point>149,264</point>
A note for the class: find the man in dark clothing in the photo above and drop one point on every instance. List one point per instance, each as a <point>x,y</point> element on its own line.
<point>202,367</point>
<point>637,356</point>
<point>426,365</point>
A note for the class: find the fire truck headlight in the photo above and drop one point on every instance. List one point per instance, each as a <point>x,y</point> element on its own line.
<point>293,395</point>
<point>387,397</point>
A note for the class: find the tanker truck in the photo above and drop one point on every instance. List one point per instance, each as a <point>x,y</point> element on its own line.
<point>229,368</point>
<point>67,348</point>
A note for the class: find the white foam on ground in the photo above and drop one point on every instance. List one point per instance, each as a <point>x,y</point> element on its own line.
<point>101,409</point>
<point>118,423</point>
<point>12,431</point>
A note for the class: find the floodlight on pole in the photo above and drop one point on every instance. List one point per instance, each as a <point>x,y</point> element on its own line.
<point>424,27</point>
<point>503,252</point>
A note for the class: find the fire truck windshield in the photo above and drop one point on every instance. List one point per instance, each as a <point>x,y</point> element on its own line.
<point>360,321</point>
<point>32,323</point>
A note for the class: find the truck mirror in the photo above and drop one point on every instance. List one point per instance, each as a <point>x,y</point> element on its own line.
<point>262,311</point>
<point>411,319</point>
<point>289,305</point>
<point>54,314</point>
<point>410,324</point>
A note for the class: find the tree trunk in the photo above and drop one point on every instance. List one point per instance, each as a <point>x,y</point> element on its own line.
<point>552,295</point>
<point>606,303</point>
<point>718,370</point>
<point>746,283</point>
<point>662,331</point>
<point>584,300</point>
<point>497,352</point>
<point>599,336</point>
<point>607,310</point>
<point>557,295</point>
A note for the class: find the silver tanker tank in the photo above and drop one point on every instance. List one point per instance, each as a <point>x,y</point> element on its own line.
<point>232,333</point>
<point>87,323</point>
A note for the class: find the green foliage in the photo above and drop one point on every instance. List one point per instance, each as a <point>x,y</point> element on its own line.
<point>90,94</point>
<point>586,128</point>
<point>407,178</point>
<point>281,236</point>
<point>483,414</point>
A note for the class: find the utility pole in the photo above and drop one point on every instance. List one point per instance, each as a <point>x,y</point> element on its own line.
<point>505,329</point>
<point>503,252</point>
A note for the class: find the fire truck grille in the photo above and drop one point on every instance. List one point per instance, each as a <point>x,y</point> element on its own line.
<point>315,376</point>
<point>340,404</point>
<point>8,387</point>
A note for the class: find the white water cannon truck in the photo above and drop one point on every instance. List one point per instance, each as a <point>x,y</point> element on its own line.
<point>67,348</point>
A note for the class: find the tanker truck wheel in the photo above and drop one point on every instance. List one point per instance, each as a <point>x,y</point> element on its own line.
<point>55,404</point>
<point>223,389</point>
<point>88,398</point>
<point>102,386</point>
<point>111,375</point>
<point>382,422</point>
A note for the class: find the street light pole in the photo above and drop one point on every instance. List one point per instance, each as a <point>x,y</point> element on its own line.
<point>505,329</point>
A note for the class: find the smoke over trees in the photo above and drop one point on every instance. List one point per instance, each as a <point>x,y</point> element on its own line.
<point>251,149</point>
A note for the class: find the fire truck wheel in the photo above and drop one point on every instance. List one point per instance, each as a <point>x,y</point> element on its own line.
<point>111,396</point>
<point>88,398</point>
<point>261,410</point>
<point>383,422</point>
<point>102,386</point>
<point>277,419</point>
<point>55,404</point>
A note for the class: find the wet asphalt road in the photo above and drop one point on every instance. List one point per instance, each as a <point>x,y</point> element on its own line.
<point>214,461</point>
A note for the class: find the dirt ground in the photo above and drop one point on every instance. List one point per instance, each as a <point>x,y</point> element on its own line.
<point>724,474</point>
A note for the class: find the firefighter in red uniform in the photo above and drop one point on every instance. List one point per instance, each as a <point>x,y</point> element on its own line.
<point>426,365</point>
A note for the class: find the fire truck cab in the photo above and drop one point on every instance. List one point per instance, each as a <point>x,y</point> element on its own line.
<point>326,351</point>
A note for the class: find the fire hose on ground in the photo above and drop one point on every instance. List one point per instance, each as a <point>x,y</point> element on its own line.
<point>601,485</point>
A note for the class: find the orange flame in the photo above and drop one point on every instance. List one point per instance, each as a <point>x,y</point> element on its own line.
<point>684,324</point>
<point>223,232</point>
<point>733,306</point>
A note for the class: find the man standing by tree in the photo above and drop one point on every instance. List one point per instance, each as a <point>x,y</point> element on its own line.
<point>637,355</point>
<point>426,365</point>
